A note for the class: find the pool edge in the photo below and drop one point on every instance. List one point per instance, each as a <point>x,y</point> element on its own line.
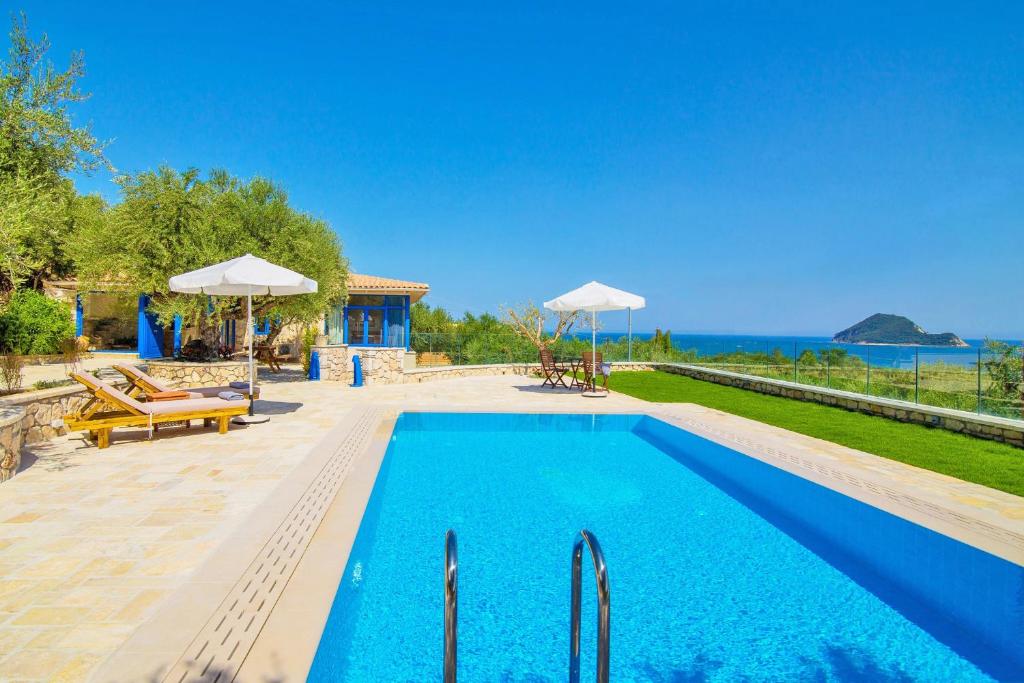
<point>170,633</point>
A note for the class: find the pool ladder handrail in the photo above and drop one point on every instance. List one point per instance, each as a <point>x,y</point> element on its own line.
<point>604,609</point>
<point>451,606</point>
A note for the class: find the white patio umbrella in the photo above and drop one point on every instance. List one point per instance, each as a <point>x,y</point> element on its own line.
<point>244,276</point>
<point>595,297</point>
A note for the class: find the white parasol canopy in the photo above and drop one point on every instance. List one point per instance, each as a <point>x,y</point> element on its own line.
<point>595,297</point>
<point>244,276</point>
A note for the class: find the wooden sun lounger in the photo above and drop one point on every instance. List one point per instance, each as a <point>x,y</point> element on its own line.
<point>155,390</point>
<point>110,407</point>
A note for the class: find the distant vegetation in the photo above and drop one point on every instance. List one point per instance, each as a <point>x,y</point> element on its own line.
<point>884,328</point>
<point>486,338</point>
<point>989,463</point>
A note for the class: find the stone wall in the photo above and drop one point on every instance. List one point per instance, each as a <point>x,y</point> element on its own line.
<point>982,426</point>
<point>34,416</point>
<point>45,410</point>
<point>11,440</point>
<point>181,375</point>
<point>428,374</point>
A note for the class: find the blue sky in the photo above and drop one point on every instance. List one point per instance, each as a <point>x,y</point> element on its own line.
<point>761,168</point>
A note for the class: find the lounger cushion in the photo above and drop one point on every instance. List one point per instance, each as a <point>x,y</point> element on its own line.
<point>197,404</point>
<point>168,396</point>
<point>214,391</point>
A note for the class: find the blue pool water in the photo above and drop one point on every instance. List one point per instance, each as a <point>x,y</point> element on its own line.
<point>721,567</point>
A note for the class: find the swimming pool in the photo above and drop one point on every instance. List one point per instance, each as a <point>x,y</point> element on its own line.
<point>721,566</point>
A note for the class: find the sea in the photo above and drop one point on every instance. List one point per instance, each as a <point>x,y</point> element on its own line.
<point>879,355</point>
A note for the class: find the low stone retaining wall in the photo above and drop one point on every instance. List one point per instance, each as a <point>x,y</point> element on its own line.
<point>395,366</point>
<point>11,440</point>
<point>982,426</point>
<point>34,416</point>
<point>427,374</point>
<point>182,375</point>
<point>44,410</point>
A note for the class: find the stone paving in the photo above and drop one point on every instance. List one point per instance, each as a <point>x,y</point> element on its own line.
<point>92,543</point>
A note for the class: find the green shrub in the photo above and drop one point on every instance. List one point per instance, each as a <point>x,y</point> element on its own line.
<point>51,383</point>
<point>308,342</point>
<point>33,323</point>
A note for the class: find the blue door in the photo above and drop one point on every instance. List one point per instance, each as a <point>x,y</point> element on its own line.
<point>151,334</point>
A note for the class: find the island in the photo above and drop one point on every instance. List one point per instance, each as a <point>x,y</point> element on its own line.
<point>885,328</point>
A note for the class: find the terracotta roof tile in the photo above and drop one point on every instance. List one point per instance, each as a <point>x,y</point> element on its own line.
<point>362,284</point>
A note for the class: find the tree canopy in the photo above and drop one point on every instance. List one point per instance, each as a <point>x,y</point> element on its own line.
<point>39,146</point>
<point>170,222</point>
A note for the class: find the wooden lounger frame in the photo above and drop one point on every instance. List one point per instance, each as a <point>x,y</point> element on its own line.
<point>140,385</point>
<point>103,412</point>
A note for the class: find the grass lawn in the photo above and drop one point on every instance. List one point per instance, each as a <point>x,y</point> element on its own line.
<point>993,464</point>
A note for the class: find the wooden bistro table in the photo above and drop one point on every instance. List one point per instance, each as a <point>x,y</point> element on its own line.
<point>575,367</point>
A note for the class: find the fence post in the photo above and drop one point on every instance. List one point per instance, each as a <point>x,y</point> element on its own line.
<point>979,380</point>
<point>795,376</point>
<point>1021,385</point>
<point>917,375</point>
<point>867,389</point>
<point>828,368</point>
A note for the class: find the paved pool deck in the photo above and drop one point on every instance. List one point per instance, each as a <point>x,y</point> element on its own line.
<point>130,563</point>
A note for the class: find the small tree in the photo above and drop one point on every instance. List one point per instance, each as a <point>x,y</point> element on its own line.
<point>39,147</point>
<point>10,372</point>
<point>529,321</point>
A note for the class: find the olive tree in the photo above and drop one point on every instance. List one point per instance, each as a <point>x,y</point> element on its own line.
<point>529,322</point>
<point>170,222</point>
<point>39,147</point>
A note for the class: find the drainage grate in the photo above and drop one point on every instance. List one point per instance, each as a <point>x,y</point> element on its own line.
<point>217,652</point>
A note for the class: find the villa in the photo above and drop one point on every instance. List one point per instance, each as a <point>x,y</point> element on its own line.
<point>317,475</point>
<point>376,314</point>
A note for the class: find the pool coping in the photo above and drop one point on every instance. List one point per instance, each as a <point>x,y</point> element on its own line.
<point>164,648</point>
<point>285,640</point>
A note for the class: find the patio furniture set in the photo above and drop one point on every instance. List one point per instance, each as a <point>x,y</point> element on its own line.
<point>590,366</point>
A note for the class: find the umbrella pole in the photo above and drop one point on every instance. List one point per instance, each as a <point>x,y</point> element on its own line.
<point>252,342</point>
<point>593,347</point>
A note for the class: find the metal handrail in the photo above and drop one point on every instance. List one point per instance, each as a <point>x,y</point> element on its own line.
<point>604,609</point>
<point>451,605</point>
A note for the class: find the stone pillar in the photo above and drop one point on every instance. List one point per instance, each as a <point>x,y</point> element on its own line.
<point>335,365</point>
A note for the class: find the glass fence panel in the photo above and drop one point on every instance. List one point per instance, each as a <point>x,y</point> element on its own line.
<point>987,381</point>
<point>1002,385</point>
<point>949,378</point>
